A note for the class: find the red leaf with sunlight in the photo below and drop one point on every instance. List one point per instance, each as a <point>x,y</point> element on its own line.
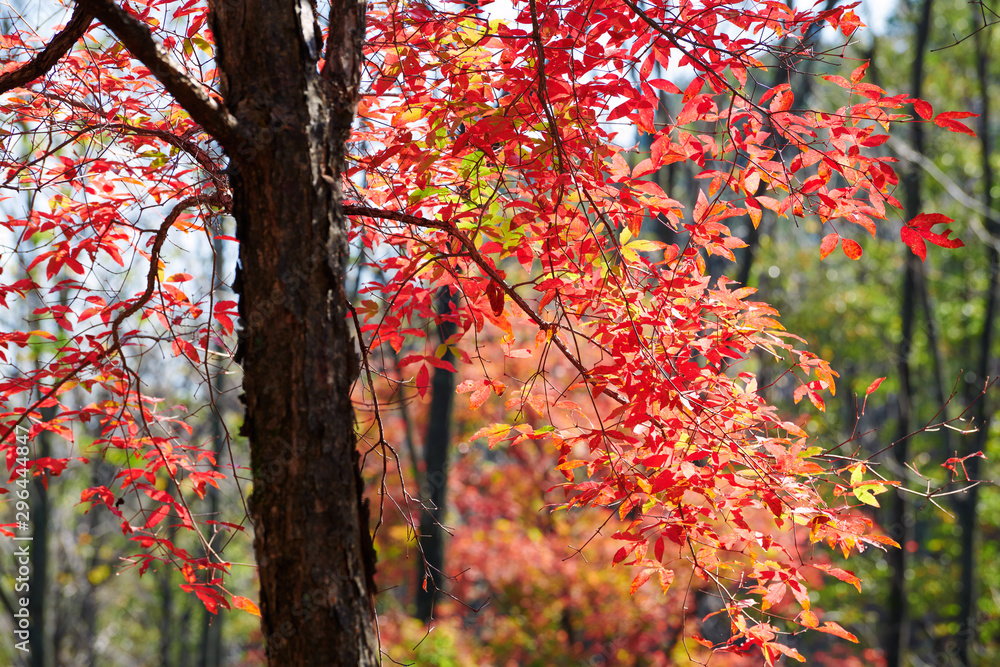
<point>828,245</point>
<point>949,121</point>
<point>918,230</point>
<point>832,628</point>
<point>874,386</point>
<point>851,248</point>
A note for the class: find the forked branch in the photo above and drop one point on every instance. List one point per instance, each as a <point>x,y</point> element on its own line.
<point>47,58</point>
<point>188,92</point>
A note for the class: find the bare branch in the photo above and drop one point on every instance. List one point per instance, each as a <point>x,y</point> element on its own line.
<point>44,61</point>
<point>188,92</point>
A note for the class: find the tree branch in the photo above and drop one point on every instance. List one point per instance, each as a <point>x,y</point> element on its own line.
<point>397,216</point>
<point>188,92</point>
<point>45,60</point>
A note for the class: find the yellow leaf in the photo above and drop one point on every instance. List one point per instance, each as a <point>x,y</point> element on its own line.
<point>642,245</point>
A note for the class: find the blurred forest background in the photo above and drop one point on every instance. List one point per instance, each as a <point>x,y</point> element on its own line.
<point>522,585</point>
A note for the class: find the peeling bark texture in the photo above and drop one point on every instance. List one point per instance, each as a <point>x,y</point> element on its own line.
<point>312,541</point>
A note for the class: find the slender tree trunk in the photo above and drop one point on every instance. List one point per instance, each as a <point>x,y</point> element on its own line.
<point>940,388</point>
<point>967,509</point>
<point>782,74</point>
<point>167,620</point>
<point>436,448</point>
<point>40,515</point>
<point>897,630</point>
<point>899,520</point>
<point>85,628</point>
<point>312,539</point>
<point>210,642</point>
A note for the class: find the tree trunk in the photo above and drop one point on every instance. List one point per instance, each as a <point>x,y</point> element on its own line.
<point>436,447</point>
<point>210,642</point>
<point>900,521</point>
<point>968,505</point>
<point>40,515</point>
<point>168,621</point>
<point>312,540</point>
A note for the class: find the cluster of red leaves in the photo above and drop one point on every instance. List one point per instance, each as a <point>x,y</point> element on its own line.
<point>492,145</point>
<point>489,164</point>
<point>109,166</point>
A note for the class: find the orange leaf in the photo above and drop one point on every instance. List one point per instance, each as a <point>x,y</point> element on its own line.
<point>775,594</point>
<point>246,605</point>
<point>790,652</point>
<point>641,578</point>
<point>832,628</point>
<point>666,578</point>
<point>859,73</point>
<point>480,395</point>
<point>849,23</point>
<point>843,575</point>
<point>753,210</point>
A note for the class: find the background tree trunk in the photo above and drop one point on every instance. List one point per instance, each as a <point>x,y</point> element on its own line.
<point>312,540</point>
<point>210,641</point>
<point>40,528</point>
<point>899,523</point>
<point>436,447</point>
<point>967,507</point>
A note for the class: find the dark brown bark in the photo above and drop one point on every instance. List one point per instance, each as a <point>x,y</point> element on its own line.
<point>285,127</point>
<point>940,387</point>
<point>168,620</point>
<point>312,541</point>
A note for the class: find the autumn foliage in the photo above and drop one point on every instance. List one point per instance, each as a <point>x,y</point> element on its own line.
<point>494,158</point>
